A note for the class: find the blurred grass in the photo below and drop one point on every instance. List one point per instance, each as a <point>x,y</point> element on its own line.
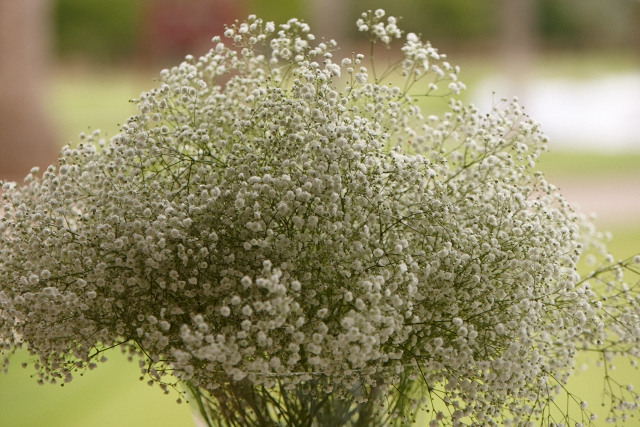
<point>585,164</point>
<point>109,396</point>
<point>83,101</point>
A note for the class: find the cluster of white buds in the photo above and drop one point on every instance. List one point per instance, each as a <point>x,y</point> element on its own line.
<point>373,24</point>
<point>273,217</point>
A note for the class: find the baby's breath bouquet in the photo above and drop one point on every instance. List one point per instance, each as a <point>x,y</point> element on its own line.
<point>285,237</point>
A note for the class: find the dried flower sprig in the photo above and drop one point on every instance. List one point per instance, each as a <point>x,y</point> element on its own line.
<point>293,240</point>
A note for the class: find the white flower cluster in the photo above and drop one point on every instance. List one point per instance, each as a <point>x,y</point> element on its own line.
<point>263,219</point>
<point>373,24</point>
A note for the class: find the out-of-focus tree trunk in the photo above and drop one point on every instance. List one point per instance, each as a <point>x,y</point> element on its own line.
<point>26,136</point>
<point>518,38</point>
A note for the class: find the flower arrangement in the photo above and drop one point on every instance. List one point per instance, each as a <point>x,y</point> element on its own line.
<point>288,239</point>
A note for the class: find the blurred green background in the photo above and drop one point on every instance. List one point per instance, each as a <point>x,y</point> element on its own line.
<point>79,63</point>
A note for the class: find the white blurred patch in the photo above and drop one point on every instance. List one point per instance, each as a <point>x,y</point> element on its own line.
<point>594,114</point>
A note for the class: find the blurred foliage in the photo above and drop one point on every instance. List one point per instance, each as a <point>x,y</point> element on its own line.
<point>558,20</point>
<point>112,29</point>
<point>97,28</point>
<point>589,23</point>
